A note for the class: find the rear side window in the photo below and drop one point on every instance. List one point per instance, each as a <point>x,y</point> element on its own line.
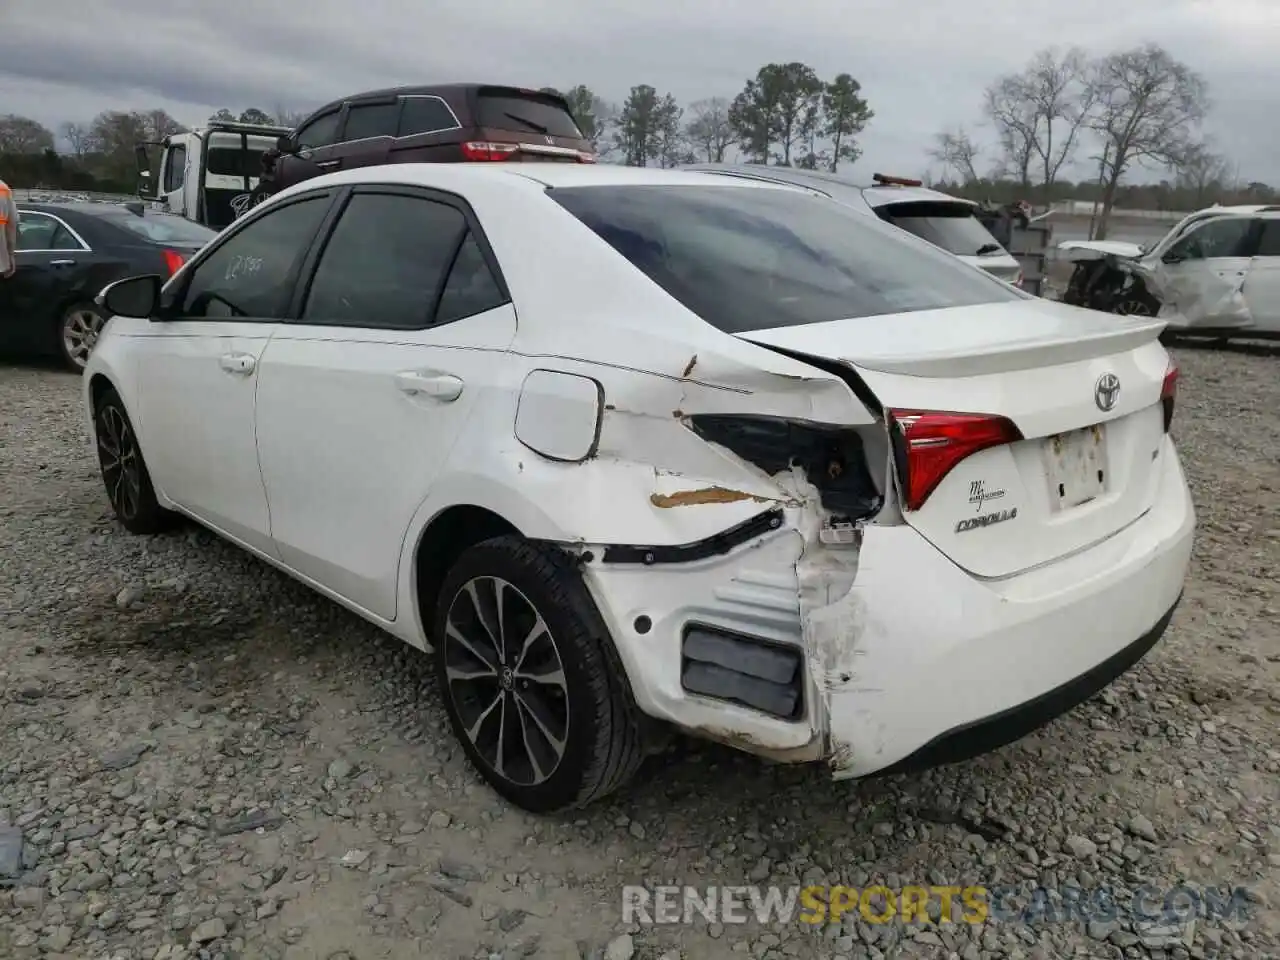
<point>951,226</point>
<point>39,232</point>
<point>373,120</point>
<point>250,276</point>
<point>425,115</point>
<point>385,262</point>
<point>471,287</point>
<point>526,112</point>
<point>748,258</point>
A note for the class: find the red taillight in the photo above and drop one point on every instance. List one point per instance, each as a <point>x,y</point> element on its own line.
<point>485,152</point>
<point>173,261</point>
<point>928,444</point>
<point>1169,393</point>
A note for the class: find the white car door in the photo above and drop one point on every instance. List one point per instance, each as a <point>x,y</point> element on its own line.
<point>197,373</point>
<point>401,333</point>
<point>1262,289</point>
<point>1200,278</point>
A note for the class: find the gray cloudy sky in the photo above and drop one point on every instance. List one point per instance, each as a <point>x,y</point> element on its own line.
<point>922,63</point>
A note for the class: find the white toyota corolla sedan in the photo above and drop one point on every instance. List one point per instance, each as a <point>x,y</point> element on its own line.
<point>632,449</point>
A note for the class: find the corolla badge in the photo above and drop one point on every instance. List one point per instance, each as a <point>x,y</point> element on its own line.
<point>1106,391</point>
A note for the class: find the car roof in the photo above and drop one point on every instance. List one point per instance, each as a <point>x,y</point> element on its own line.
<point>533,176</point>
<point>429,90</point>
<point>876,195</point>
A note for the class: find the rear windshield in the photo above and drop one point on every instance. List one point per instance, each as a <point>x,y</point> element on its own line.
<point>951,226</point>
<point>747,258</point>
<point>234,162</point>
<point>527,112</point>
<point>162,227</point>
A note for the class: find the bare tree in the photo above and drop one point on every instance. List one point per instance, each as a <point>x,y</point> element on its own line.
<point>1200,169</point>
<point>1058,93</point>
<point>1148,106</point>
<point>289,118</point>
<point>22,135</point>
<point>958,153</point>
<point>708,129</point>
<point>77,137</point>
<point>1009,107</point>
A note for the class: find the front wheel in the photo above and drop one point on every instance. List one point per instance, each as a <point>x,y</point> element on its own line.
<point>78,332</point>
<point>529,677</point>
<point>124,472</point>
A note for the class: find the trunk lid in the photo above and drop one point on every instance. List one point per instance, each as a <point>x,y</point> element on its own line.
<point>1079,474</point>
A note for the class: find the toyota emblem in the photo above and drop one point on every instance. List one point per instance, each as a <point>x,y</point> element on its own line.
<point>1106,391</point>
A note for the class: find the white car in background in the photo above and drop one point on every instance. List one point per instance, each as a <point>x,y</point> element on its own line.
<point>945,221</point>
<point>631,448</point>
<point>1216,273</point>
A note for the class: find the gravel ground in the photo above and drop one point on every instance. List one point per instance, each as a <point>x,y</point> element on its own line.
<point>201,758</point>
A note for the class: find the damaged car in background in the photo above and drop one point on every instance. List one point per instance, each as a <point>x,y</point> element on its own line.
<point>1215,274</point>
<point>779,474</point>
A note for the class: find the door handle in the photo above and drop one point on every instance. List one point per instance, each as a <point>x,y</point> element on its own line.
<point>62,263</point>
<point>239,363</point>
<point>439,386</point>
<point>326,164</point>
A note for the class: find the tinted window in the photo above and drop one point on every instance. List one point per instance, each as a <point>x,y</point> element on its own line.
<point>250,275</point>
<point>953,227</point>
<point>377,120</point>
<point>234,162</point>
<point>1269,242</point>
<point>162,227</point>
<point>471,287</point>
<point>384,263</point>
<point>530,113</point>
<point>424,115</point>
<point>320,132</point>
<point>36,231</point>
<point>1214,238</point>
<point>175,170</point>
<point>747,258</point>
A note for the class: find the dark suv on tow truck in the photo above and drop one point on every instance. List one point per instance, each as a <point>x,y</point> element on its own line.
<point>441,123</point>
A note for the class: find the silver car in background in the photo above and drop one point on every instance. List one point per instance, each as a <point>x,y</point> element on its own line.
<point>945,221</point>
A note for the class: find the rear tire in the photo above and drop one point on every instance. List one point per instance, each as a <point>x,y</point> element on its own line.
<point>78,331</point>
<point>124,471</point>
<point>530,679</point>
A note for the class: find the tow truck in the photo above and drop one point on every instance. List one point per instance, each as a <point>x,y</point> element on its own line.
<point>208,174</point>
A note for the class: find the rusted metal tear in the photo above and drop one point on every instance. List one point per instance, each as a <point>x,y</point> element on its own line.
<point>692,498</point>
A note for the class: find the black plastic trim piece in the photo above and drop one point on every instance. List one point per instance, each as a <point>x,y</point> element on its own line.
<point>712,546</point>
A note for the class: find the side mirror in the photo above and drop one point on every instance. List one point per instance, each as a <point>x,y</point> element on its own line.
<point>134,297</point>
<point>1172,257</point>
<point>287,145</point>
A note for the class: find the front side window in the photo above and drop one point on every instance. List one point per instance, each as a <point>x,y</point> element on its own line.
<point>1213,238</point>
<point>320,132</point>
<point>750,258</point>
<point>384,264</point>
<point>250,276</point>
